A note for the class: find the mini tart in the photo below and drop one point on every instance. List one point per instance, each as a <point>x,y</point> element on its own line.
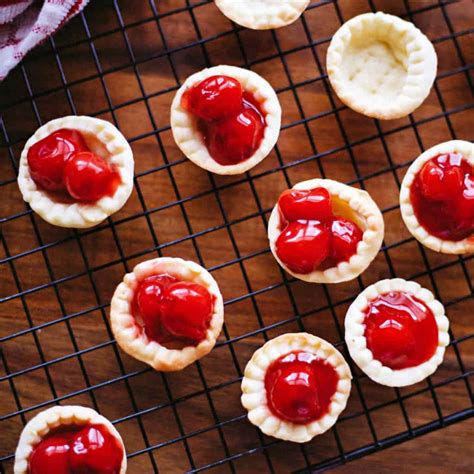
<point>357,342</point>
<point>381,66</point>
<point>103,139</point>
<point>262,14</point>
<point>464,246</point>
<point>254,396</point>
<point>348,202</point>
<point>190,140</point>
<point>133,339</point>
<point>40,425</point>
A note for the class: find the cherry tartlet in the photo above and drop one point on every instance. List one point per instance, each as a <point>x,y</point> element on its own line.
<point>295,387</point>
<point>323,231</point>
<point>226,119</point>
<point>397,332</point>
<point>70,440</point>
<point>76,171</point>
<point>437,197</point>
<point>168,313</point>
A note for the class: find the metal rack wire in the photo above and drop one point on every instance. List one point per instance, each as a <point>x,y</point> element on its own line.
<point>41,243</point>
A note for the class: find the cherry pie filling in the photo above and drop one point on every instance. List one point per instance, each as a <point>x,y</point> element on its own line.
<point>173,313</point>
<point>400,330</point>
<point>442,196</point>
<point>229,118</point>
<point>63,165</point>
<point>299,387</point>
<point>313,237</point>
<point>89,449</point>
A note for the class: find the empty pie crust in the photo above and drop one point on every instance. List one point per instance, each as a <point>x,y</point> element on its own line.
<point>130,335</point>
<point>103,139</point>
<point>40,425</point>
<point>254,397</point>
<point>189,139</point>
<point>357,343</point>
<point>381,66</point>
<point>348,202</point>
<point>262,14</point>
<point>408,214</point>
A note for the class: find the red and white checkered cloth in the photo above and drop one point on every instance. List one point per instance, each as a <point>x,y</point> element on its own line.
<point>26,23</point>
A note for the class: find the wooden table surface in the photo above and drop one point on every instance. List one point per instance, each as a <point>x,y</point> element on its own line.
<point>63,279</point>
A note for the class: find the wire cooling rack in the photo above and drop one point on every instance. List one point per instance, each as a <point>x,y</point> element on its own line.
<point>123,61</point>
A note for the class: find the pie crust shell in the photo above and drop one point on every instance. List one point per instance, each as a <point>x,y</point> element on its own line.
<point>357,343</point>
<point>102,138</point>
<point>40,425</point>
<point>189,139</point>
<point>408,214</point>
<point>254,397</point>
<point>381,66</point>
<point>132,338</point>
<point>354,204</point>
<point>262,14</point>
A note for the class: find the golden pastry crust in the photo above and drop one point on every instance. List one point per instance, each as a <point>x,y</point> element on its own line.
<point>103,139</point>
<point>40,425</point>
<point>262,14</point>
<point>130,335</point>
<point>254,397</point>
<point>351,203</point>
<point>408,214</point>
<point>381,66</point>
<point>189,139</point>
<point>357,343</point>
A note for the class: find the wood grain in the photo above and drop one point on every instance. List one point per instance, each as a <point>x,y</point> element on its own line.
<point>229,239</point>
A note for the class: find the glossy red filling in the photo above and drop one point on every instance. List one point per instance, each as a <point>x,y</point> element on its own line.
<point>173,311</point>
<point>77,450</point>
<point>312,236</point>
<point>442,196</point>
<point>62,164</point>
<point>299,387</point>
<point>401,330</point>
<point>229,118</point>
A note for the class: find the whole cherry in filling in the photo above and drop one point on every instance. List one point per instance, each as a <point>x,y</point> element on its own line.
<point>91,449</point>
<point>400,330</point>
<point>173,310</point>
<point>312,237</point>
<point>442,196</point>
<point>299,387</point>
<point>62,163</point>
<point>229,118</point>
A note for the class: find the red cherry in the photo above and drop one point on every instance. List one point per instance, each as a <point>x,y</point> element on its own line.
<point>88,177</point>
<point>400,330</point>
<point>214,98</point>
<point>438,183</point>
<point>51,456</point>
<point>391,342</point>
<point>234,139</point>
<point>303,245</point>
<point>149,298</point>
<point>314,204</point>
<point>294,394</point>
<point>345,235</point>
<point>95,451</point>
<point>451,217</point>
<point>463,206</point>
<point>186,310</point>
<point>47,157</point>
<point>299,387</point>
